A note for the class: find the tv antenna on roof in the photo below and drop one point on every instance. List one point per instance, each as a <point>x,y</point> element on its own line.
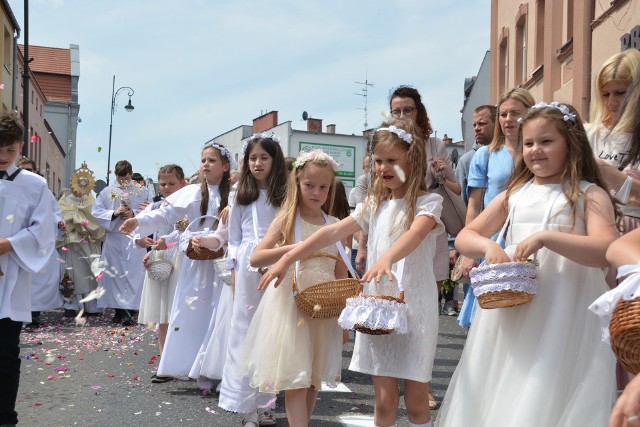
<point>365,87</point>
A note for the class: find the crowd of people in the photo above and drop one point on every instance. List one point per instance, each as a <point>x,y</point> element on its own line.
<point>218,263</point>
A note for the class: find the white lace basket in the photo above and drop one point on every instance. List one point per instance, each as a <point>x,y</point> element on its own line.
<point>504,285</point>
<point>159,269</point>
<point>375,314</point>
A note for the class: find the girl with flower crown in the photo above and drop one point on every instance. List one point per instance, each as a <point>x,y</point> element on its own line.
<point>198,287</point>
<point>284,349</point>
<point>259,193</point>
<point>402,220</point>
<point>541,363</point>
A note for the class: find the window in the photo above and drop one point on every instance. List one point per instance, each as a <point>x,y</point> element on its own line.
<point>569,20</point>
<point>47,172</point>
<point>7,56</point>
<point>540,33</point>
<point>521,50</point>
<point>503,68</point>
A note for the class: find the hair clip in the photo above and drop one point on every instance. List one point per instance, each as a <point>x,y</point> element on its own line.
<point>567,114</point>
<point>313,155</point>
<point>270,135</point>
<point>232,162</point>
<point>400,133</point>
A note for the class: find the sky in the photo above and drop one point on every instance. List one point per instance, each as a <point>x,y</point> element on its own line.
<point>200,68</point>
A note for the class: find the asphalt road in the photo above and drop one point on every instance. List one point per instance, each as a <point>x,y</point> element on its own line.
<point>99,375</point>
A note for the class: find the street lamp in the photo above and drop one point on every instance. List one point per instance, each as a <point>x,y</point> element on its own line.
<point>128,108</point>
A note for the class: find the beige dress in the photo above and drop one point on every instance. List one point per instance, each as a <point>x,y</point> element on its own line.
<point>284,348</point>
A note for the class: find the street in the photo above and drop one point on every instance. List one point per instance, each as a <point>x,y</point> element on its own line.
<point>99,375</point>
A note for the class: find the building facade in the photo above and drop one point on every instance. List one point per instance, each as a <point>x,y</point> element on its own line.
<point>43,147</point>
<point>57,71</point>
<point>554,48</point>
<point>476,93</point>
<point>348,150</point>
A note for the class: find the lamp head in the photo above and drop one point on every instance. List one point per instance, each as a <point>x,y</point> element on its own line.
<point>129,108</point>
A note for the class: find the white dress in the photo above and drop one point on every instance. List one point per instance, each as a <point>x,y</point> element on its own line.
<point>45,284</point>
<point>409,356</point>
<point>285,349</point>
<point>25,209</point>
<point>198,288</point>
<point>236,394</point>
<point>124,272</point>
<point>157,295</point>
<point>541,363</point>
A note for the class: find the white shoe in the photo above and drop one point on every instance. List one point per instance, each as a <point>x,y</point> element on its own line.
<point>218,387</point>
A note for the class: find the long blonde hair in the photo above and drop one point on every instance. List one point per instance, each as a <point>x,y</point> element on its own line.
<point>517,94</point>
<point>287,215</point>
<point>623,66</point>
<point>415,176</point>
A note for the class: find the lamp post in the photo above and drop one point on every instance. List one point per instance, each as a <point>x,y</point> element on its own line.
<point>128,108</point>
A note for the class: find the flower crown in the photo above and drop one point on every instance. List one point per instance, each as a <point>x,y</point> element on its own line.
<point>232,162</point>
<point>313,155</point>
<point>400,133</point>
<point>268,135</point>
<point>568,116</point>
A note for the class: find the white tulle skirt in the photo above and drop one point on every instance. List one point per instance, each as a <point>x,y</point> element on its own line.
<point>284,349</point>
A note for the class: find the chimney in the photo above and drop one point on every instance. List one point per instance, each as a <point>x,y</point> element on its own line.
<point>331,129</point>
<point>447,140</point>
<point>264,122</point>
<point>314,125</point>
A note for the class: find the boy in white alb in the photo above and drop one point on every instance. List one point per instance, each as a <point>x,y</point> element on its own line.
<point>26,242</point>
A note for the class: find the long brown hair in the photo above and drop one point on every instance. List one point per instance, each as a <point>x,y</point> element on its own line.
<point>581,164</point>
<point>223,188</point>
<point>423,118</point>
<point>415,152</point>
<point>248,191</point>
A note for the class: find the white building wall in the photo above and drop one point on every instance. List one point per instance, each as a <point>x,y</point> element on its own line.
<point>479,95</point>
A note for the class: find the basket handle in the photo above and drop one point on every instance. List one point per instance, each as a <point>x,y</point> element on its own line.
<point>395,276</point>
<point>294,285</point>
<point>200,217</point>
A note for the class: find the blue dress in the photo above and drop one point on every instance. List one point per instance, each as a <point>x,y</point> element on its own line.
<point>500,167</point>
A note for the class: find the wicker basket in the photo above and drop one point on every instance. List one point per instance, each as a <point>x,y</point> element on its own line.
<point>384,311</point>
<point>504,285</point>
<point>383,331</point>
<point>624,330</point>
<point>159,269</point>
<point>203,254</point>
<point>324,300</point>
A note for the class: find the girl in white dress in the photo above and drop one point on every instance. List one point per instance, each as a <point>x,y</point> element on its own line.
<point>402,220</point>
<point>285,349</point>
<point>542,363</point>
<point>157,296</point>
<point>198,287</point>
<point>260,192</point>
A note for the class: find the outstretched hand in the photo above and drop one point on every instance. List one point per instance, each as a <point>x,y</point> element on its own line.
<point>276,272</point>
<point>378,270</point>
<point>128,226</point>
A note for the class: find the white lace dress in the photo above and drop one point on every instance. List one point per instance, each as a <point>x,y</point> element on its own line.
<point>285,349</point>
<point>541,363</point>
<point>409,356</point>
